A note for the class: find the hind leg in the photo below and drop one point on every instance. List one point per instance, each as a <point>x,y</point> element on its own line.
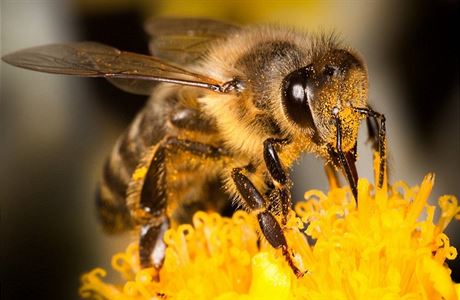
<point>147,197</point>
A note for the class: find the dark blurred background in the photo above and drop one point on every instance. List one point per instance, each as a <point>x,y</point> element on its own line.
<point>56,131</point>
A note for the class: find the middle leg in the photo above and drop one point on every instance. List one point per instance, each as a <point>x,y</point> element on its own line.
<point>269,226</point>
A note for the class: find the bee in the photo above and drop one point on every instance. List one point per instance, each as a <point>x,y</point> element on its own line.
<point>231,109</point>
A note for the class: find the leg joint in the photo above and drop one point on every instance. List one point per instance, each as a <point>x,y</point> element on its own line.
<point>273,162</point>
<point>247,190</point>
<point>271,229</point>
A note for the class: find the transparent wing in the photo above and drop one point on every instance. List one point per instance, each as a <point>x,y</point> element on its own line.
<point>184,40</point>
<point>130,71</point>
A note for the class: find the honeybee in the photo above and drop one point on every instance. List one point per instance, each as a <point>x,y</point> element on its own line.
<point>231,108</point>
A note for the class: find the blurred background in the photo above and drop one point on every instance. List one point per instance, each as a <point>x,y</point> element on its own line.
<point>56,131</point>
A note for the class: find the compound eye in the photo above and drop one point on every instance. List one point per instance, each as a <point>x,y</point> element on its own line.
<point>297,96</point>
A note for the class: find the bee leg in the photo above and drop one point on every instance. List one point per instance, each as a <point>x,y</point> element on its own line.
<point>153,198</point>
<point>151,245</point>
<point>372,132</point>
<point>269,226</point>
<point>153,202</point>
<point>378,141</point>
<point>278,175</point>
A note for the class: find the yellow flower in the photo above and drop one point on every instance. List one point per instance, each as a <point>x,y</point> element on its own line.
<point>388,247</point>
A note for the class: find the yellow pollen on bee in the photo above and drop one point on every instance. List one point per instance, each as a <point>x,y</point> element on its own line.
<point>139,173</point>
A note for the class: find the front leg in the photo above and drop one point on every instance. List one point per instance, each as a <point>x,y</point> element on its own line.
<point>378,141</point>
<point>269,226</point>
<point>278,174</point>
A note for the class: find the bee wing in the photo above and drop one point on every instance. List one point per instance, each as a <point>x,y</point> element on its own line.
<point>184,40</point>
<point>129,71</point>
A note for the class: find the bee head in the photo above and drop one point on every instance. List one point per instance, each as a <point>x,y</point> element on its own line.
<point>318,97</point>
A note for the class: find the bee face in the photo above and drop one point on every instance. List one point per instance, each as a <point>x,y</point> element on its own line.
<point>314,96</point>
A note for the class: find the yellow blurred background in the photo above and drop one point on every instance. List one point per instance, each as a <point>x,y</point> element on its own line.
<point>56,131</point>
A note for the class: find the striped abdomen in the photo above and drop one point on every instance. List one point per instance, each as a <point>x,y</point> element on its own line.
<point>146,130</point>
